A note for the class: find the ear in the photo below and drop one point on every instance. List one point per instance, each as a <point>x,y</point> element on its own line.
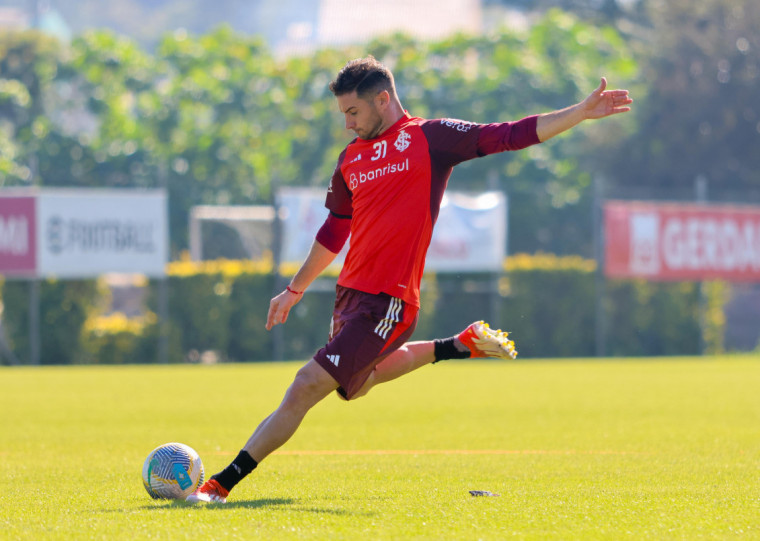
<point>382,100</point>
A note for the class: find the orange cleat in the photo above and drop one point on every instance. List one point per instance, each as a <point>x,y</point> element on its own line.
<point>209,492</point>
<point>482,341</point>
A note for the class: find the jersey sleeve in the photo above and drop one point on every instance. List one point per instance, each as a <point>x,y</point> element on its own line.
<point>338,199</point>
<point>334,233</point>
<point>455,141</point>
<point>495,138</point>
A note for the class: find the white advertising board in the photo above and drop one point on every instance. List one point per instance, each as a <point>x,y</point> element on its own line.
<point>84,233</point>
<point>470,234</point>
<point>302,211</point>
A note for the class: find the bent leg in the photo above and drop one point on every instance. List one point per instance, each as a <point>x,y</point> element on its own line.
<point>408,357</point>
<point>311,384</point>
<point>478,340</point>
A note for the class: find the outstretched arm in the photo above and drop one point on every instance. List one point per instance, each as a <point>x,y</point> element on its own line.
<point>600,103</point>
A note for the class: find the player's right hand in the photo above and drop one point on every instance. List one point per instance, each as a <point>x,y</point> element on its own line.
<point>279,308</point>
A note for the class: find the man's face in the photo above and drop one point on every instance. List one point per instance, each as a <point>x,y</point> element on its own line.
<point>362,116</point>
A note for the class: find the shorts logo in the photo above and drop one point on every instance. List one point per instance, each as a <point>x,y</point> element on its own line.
<point>390,319</point>
<point>335,359</point>
<point>403,141</point>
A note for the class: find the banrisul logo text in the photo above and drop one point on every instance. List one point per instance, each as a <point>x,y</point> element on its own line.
<point>366,176</point>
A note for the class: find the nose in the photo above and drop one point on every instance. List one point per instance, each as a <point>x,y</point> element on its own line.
<point>350,124</point>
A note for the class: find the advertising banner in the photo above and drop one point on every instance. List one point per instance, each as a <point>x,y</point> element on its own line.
<point>71,233</point>
<point>18,256</point>
<point>469,236</point>
<point>681,241</point>
<point>302,212</point>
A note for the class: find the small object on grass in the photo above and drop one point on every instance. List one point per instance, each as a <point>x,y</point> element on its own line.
<point>483,493</point>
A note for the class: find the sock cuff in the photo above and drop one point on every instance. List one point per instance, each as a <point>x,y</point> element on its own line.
<point>446,349</point>
<point>236,471</point>
<point>245,461</point>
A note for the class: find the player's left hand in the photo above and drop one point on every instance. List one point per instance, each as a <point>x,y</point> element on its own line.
<point>602,102</point>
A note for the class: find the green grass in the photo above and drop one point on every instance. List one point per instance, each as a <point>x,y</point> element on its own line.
<point>634,449</point>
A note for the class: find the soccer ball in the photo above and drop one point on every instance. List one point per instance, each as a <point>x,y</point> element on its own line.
<point>172,471</point>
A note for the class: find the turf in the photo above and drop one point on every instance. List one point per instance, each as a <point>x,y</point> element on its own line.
<point>623,449</point>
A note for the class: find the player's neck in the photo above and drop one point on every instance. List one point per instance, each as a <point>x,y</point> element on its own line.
<point>394,113</point>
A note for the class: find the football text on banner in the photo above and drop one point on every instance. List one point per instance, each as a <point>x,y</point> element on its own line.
<point>76,233</point>
<point>87,233</point>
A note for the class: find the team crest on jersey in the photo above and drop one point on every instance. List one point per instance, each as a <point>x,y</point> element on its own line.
<point>402,141</point>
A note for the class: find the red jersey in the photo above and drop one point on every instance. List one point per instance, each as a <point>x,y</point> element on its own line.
<point>391,187</point>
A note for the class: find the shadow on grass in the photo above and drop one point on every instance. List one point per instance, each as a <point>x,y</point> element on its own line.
<point>236,504</point>
<point>289,503</point>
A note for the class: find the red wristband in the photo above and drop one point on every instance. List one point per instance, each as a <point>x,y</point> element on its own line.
<point>294,292</point>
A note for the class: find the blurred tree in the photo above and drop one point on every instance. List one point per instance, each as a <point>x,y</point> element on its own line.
<point>105,76</point>
<point>700,116</point>
<point>29,62</point>
<point>506,76</point>
<point>217,119</point>
<point>625,15</point>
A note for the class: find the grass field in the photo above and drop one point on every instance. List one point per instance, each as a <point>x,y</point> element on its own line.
<point>624,449</point>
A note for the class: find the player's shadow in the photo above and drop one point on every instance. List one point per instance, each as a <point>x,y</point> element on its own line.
<point>270,503</point>
<point>248,504</point>
<point>251,504</point>
<point>291,504</point>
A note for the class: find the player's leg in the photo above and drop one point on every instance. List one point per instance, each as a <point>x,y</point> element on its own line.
<point>408,357</point>
<point>311,384</point>
<point>405,359</point>
<point>478,340</point>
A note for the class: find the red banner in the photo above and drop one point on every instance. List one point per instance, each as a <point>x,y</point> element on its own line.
<point>675,241</point>
<point>17,236</point>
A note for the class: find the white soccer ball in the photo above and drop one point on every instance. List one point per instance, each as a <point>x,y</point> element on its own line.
<point>172,471</point>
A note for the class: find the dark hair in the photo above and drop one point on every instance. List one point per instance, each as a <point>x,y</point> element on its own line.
<point>365,75</point>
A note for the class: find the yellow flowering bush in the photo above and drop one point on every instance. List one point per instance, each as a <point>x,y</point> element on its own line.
<point>548,302</point>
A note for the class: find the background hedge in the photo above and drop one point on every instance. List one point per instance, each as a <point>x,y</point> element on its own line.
<point>217,311</point>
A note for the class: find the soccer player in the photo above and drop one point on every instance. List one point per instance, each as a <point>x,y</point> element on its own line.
<point>386,192</point>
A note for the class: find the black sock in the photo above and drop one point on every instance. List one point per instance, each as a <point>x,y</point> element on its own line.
<point>236,471</point>
<point>449,348</point>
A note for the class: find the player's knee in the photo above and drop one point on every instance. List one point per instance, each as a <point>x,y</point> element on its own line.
<point>306,390</point>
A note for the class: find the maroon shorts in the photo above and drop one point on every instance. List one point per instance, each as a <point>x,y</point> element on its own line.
<point>365,329</point>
